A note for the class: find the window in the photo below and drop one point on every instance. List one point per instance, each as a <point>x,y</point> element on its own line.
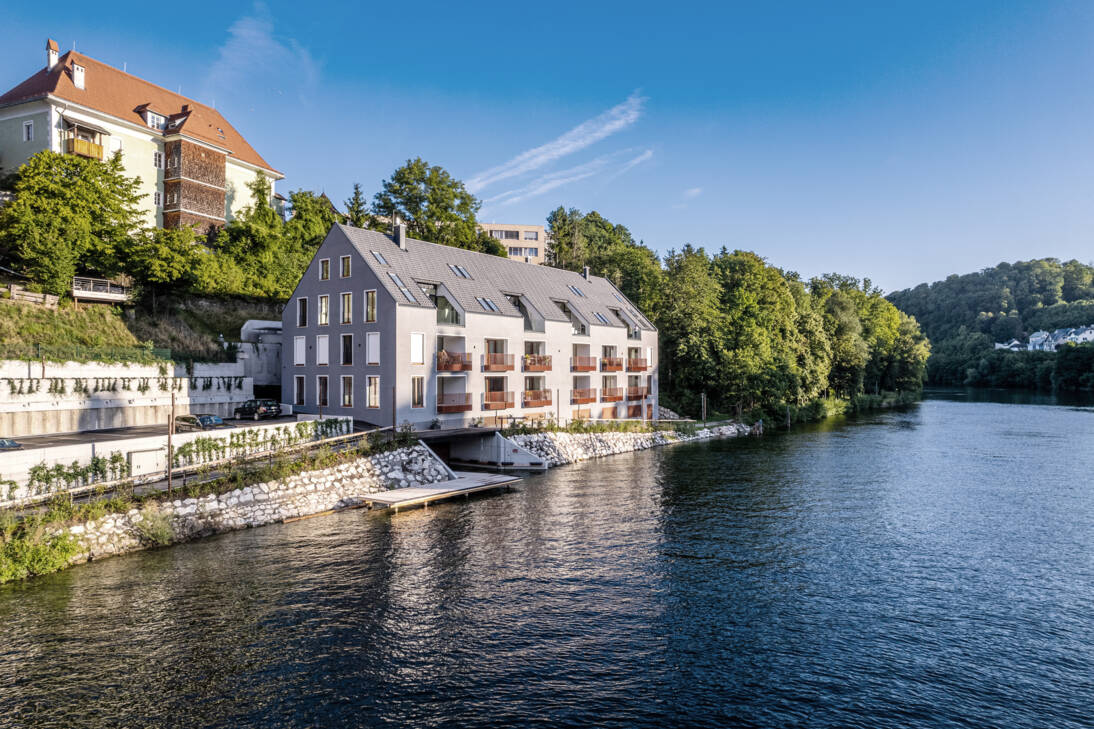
<point>347,308</point>
<point>618,297</point>
<point>531,235</point>
<point>417,348</point>
<point>157,199</point>
<point>372,348</point>
<point>577,291</point>
<point>379,258</point>
<point>157,160</point>
<point>347,391</point>
<point>172,161</point>
<point>172,197</point>
<point>347,349</point>
<point>600,318</point>
<point>417,392</point>
<point>321,391</point>
<point>298,390</point>
<point>28,131</point>
<point>370,307</point>
<point>459,270</point>
<point>302,312</point>
<point>506,234</point>
<point>155,121</point>
<point>516,251</point>
<point>402,287</point>
<point>487,304</point>
<point>324,269</point>
<point>344,272</point>
<point>324,311</point>
<point>322,350</point>
<point>299,349</point>
<point>374,392</point>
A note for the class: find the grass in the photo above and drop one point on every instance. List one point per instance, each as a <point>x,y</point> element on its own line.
<point>193,324</point>
<point>89,326</point>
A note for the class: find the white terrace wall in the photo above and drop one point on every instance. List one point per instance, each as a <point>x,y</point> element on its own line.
<point>37,399</point>
<point>148,455</point>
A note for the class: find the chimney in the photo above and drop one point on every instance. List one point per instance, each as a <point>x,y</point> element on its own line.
<point>585,273</point>
<point>77,75</point>
<point>400,236</point>
<point>51,53</point>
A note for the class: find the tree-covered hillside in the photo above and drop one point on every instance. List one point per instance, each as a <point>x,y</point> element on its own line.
<point>964,316</point>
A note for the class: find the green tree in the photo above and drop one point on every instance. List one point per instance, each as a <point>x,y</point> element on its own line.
<point>69,215</point>
<point>357,208</point>
<point>163,258</point>
<point>435,207</point>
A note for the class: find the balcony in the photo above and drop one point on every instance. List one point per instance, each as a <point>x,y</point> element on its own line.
<point>98,289</point>
<point>637,365</point>
<point>584,395</point>
<point>537,363</point>
<point>583,364</point>
<point>611,364</point>
<point>637,393</point>
<point>84,148</point>
<point>537,398</point>
<point>457,402</point>
<point>493,362</point>
<point>498,400</point>
<point>453,361</point>
<point>611,394</point>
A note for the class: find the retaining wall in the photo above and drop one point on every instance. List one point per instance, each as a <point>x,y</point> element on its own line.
<point>558,448</point>
<point>308,493</point>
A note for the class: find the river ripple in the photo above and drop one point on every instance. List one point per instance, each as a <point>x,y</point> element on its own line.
<point>928,568</point>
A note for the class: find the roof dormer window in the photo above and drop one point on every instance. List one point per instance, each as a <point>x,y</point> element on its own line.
<point>77,75</point>
<point>155,121</point>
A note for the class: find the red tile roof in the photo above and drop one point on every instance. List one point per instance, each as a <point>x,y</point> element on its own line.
<point>121,95</point>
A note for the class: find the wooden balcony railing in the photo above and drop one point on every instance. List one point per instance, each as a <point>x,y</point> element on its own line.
<point>453,361</point>
<point>611,364</point>
<point>537,398</point>
<point>583,364</point>
<point>537,362</point>
<point>611,394</point>
<point>459,402</point>
<point>637,365</point>
<point>637,393</point>
<point>84,148</point>
<point>583,395</point>
<point>497,362</point>
<point>498,400</point>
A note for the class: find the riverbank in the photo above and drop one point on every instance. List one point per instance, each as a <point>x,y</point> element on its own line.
<point>559,447</point>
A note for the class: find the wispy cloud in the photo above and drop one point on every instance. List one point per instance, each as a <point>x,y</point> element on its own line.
<point>613,120</point>
<point>553,180</point>
<point>255,59</point>
<point>693,192</point>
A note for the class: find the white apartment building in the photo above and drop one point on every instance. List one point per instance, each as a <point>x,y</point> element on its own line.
<point>388,329</point>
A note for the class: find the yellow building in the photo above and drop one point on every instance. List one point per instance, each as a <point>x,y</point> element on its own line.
<point>526,243</point>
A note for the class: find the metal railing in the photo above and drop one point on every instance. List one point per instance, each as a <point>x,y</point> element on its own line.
<point>537,398</point>
<point>453,361</point>
<point>457,402</point>
<point>583,363</point>
<point>537,362</point>
<point>495,362</point>
<point>498,400</point>
<point>636,364</point>
<point>99,286</point>
<point>611,364</point>
<point>583,395</point>
<point>637,393</point>
<point>611,394</point>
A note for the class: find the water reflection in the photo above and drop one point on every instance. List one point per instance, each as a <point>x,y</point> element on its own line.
<point>925,567</point>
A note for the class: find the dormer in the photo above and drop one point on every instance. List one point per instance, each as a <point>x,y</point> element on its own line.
<point>154,120</point>
<point>78,76</point>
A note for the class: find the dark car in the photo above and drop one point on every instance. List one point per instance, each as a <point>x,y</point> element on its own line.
<point>7,444</point>
<point>191,423</point>
<point>256,409</point>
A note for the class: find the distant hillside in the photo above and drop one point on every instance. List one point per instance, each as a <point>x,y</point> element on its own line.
<point>965,314</point>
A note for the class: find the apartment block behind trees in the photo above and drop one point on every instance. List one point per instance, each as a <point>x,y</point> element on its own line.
<point>386,328</point>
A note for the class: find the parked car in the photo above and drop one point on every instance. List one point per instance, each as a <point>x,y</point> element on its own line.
<point>7,444</point>
<point>191,423</point>
<point>256,409</point>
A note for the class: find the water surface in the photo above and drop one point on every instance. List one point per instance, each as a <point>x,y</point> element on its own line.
<point>927,568</point>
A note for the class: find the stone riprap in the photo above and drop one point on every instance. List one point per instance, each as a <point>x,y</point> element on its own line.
<point>558,448</point>
<point>312,492</point>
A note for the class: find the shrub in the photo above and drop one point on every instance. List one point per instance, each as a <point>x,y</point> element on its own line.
<point>155,527</point>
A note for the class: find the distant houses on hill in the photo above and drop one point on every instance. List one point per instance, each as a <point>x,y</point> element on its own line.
<point>1049,341</point>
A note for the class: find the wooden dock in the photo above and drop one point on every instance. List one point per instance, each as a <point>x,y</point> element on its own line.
<point>465,483</point>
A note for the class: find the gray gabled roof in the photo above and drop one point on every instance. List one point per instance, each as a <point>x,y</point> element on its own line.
<point>491,278</point>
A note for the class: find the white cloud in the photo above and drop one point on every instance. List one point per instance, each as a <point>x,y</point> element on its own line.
<point>254,59</point>
<point>693,192</point>
<point>613,120</point>
<point>554,180</point>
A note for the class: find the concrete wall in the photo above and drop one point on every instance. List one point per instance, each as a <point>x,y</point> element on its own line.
<point>106,406</point>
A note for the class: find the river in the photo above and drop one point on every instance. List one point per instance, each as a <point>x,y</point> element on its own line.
<point>931,567</point>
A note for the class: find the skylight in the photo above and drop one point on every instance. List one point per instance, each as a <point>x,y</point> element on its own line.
<point>402,287</point>
<point>379,257</point>
<point>487,304</point>
<point>600,318</point>
<point>459,270</point>
<point>577,291</point>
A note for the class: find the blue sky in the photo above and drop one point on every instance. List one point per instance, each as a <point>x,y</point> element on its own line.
<point>897,141</point>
